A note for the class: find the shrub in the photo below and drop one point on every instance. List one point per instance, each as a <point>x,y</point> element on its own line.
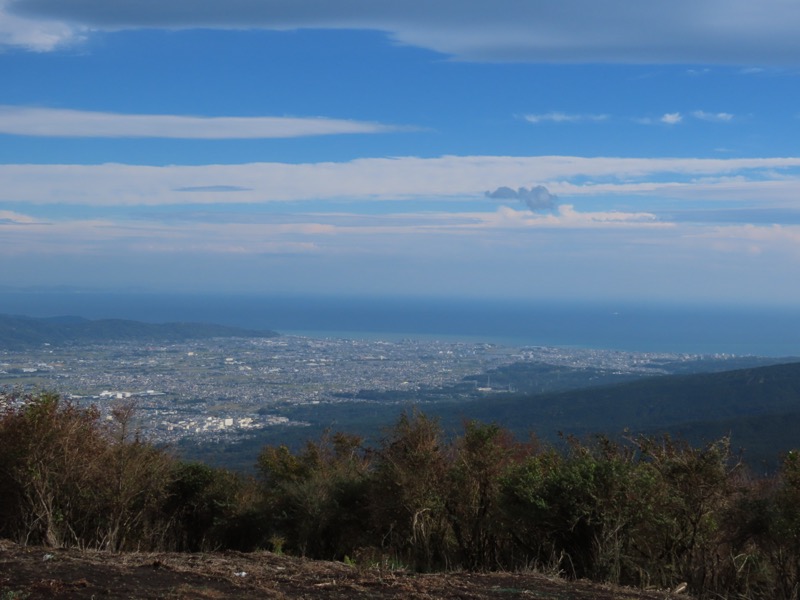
<point>49,470</point>
<point>70,479</point>
<point>317,500</point>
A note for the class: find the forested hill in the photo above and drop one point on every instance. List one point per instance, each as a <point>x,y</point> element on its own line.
<point>759,407</point>
<point>24,332</point>
<point>656,401</point>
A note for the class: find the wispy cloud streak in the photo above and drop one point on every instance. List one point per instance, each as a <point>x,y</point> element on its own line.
<point>49,122</point>
<point>720,117</point>
<point>560,117</point>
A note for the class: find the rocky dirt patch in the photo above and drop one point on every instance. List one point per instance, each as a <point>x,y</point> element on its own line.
<point>33,573</point>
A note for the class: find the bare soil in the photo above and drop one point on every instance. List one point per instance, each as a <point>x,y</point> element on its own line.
<point>33,573</point>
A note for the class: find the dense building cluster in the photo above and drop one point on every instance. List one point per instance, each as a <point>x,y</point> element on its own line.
<point>226,387</point>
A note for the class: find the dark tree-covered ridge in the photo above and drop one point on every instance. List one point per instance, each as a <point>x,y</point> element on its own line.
<point>18,332</point>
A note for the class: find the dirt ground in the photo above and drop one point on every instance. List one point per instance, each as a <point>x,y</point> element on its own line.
<point>33,573</point>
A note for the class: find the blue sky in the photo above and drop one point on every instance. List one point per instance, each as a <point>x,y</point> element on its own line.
<point>577,149</point>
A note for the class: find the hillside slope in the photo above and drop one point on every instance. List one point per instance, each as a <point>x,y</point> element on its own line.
<point>755,406</point>
<point>655,401</point>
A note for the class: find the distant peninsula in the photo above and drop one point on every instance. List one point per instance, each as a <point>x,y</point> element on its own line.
<point>20,332</point>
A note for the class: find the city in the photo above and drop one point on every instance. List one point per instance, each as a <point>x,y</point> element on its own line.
<point>223,388</point>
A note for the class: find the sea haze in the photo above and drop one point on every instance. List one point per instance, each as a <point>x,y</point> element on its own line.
<point>697,329</point>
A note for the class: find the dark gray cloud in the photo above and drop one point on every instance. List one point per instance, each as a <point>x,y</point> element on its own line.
<point>537,198</point>
<point>741,32</point>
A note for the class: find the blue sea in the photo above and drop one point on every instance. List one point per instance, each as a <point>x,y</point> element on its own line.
<point>620,326</point>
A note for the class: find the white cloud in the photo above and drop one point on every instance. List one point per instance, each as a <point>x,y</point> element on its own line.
<point>36,34</point>
<point>560,117</point>
<point>568,218</point>
<point>757,179</point>
<point>624,251</point>
<point>312,233</point>
<point>28,121</point>
<point>754,239</point>
<point>675,118</point>
<point>720,117</point>
<point>8,217</point>
<point>721,32</point>
<point>776,193</point>
<point>93,236</point>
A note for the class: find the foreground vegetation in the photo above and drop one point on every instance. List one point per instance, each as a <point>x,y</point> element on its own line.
<point>650,511</point>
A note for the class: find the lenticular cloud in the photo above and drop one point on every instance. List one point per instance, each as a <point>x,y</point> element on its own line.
<point>721,32</point>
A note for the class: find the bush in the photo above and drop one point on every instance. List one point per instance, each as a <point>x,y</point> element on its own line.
<point>316,500</point>
<point>49,470</point>
<point>70,479</point>
<point>644,511</point>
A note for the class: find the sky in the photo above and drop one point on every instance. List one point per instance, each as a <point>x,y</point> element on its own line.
<point>542,150</point>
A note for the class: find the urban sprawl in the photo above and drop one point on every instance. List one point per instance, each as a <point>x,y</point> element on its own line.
<point>225,387</point>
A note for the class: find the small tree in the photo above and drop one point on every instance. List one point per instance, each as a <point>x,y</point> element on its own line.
<point>136,476</point>
<point>580,511</point>
<point>317,499</point>
<point>695,486</point>
<point>781,540</point>
<point>481,458</point>
<point>408,498</point>
<point>202,504</point>
<point>67,479</point>
<point>48,469</point>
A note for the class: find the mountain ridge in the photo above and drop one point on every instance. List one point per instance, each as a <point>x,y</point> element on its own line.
<point>20,332</point>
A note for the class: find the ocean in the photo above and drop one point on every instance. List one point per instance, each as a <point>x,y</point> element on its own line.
<point>619,326</point>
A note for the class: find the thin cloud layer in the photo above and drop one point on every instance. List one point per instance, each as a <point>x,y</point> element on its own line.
<point>672,118</point>
<point>613,223</point>
<point>26,121</point>
<point>720,117</point>
<point>321,248</point>
<point>213,188</point>
<point>382,179</point>
<point>683,31</point>
<point>560,117</point>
